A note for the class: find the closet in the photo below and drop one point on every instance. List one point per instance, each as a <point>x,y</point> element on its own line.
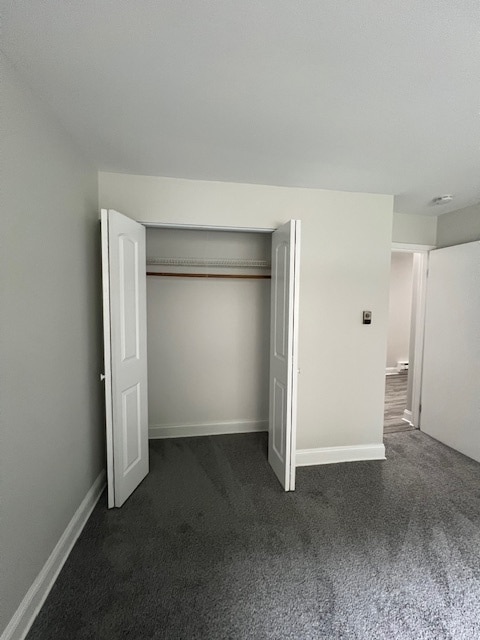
<point>208,328</point>
<point>200,334</point>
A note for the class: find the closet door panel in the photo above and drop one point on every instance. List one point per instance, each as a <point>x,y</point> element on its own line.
<point>283,352</point>
<point>126,390</point>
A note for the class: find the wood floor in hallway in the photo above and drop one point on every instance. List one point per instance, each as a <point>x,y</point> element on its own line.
<point>395,403</point>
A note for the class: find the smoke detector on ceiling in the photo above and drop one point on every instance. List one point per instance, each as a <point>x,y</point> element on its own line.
<point>442,199</point>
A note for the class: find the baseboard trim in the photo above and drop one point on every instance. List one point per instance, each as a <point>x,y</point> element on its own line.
<point>391,371</point>
<point>156,432</point>
<point>408,417</point>
<point>31,604</point>
<point>332,455</point>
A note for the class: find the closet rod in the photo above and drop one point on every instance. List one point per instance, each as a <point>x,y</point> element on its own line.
<point>240,263</point>
<point>208,275</point>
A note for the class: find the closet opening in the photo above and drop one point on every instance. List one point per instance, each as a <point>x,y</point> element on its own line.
<point>208,331</point>
<point>406,322</point>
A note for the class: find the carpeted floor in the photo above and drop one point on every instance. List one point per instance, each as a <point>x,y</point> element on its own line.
<point>210,548</point>
<point>395,403</point>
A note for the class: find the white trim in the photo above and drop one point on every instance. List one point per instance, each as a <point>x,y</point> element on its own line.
<point>330,455</point>
<point>417,370</point>
<point>391,371</point>
<point>159,431</point>
<point>295,330</point>
<point>207,227</point>
<point>412,248</point>
<point>31,604</point>
<point>408,417</point>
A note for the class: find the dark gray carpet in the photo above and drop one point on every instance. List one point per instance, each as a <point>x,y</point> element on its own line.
<point>395,404</point>
<point>209,547</point>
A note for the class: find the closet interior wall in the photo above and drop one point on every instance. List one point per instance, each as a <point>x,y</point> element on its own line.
<point>208,338</point>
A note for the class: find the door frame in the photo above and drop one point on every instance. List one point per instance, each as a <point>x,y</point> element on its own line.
<point>264,230</point>
<point>421,254</point>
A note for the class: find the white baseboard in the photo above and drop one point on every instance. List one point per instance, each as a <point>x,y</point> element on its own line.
<point>408,416</point>
<point>330,455</point>
<point>206,429</point>
<point>391,371</point>
<point>31,604</point>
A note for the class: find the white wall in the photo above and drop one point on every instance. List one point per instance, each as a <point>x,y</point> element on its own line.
<point>410,229</point>
<point>345,264</point>
<point>50,349</point>
<point>400,307</point>
<point>208,339</point>
<point>459,227</point>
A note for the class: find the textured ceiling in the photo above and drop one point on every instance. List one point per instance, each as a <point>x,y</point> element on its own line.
<point>375,96</point>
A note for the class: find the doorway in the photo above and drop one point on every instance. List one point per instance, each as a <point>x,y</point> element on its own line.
<point>403,371</point>
<point>124,251</point>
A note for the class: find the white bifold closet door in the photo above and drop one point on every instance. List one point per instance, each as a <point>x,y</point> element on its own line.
<point>284,352</point>
<point>125,344</point>
<point>451,364</point>
<point>125,340</point>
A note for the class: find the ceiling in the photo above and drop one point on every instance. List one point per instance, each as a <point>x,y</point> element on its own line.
<point>373,96</point>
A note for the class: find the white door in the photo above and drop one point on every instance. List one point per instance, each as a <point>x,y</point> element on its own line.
<point>451,367</point>
<point>125,339</point>
<point>283,352</point>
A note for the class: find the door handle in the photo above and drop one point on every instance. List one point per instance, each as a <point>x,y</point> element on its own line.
<point>102,377</point>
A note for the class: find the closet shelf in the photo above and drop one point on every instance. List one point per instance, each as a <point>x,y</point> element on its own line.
<point>208,262</point>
